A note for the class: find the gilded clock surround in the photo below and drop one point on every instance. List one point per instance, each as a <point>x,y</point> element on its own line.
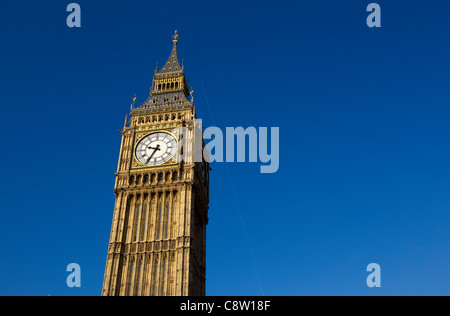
<point>141,135</point>
<point>158,233</point>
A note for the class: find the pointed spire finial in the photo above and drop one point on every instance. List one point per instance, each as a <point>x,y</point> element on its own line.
<point>134,102</point>
<point>126,121</point>
<point>175,37</point>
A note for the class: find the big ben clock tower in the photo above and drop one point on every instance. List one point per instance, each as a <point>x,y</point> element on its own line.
<point>158,236</point>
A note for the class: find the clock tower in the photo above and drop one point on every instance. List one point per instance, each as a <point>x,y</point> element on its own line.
<point>157,244</point>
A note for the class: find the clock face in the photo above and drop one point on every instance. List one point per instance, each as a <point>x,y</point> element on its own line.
<point>156,149</point>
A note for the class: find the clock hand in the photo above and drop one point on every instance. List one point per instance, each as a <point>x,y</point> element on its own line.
<point>154,151</point>
<point>150,157</point>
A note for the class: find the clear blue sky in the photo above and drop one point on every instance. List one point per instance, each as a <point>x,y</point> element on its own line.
<point>364,139</point>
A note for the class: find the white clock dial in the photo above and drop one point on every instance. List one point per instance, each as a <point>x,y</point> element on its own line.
<point>156,149</point>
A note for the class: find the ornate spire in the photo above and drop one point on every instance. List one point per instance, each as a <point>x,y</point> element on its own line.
<point>170,88</point>
<point>172,64</point>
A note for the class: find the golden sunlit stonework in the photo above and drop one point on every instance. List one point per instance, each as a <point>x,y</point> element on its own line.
<point>158,235</point>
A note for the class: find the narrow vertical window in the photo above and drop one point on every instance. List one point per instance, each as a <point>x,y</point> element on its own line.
<point>139,279</point>
<point>155,277</point>
<point>167,220</point>
<point>163,277</point>
<point>144,229</point>
<point>138,211</point>
<point>159,220</point>
<point>130,289</point>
